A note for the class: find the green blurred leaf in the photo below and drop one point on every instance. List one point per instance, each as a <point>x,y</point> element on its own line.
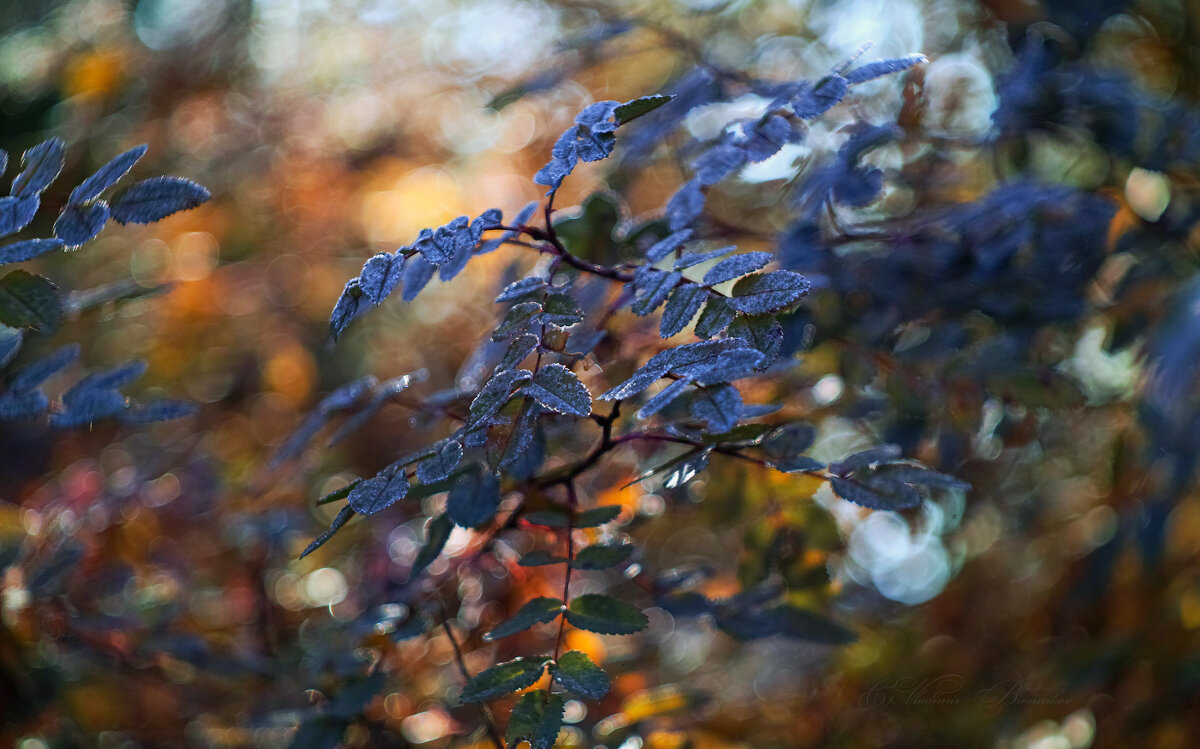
<point>29,301</point>
<point>538,611</point>
<point>605,615</point>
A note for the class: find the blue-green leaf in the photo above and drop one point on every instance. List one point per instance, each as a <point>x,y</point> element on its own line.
<point>576,672</point>
<point>635,108</point>
<point>536,718</point>
<point>342,518</point>
<point>716,317</point>
<point>558,389</point>
<point>29,301</point>
<point>106,176</point>
<point>685,301</point>
<point>718,406</point>
<point>601,556</point>
<point>28,249</point>
<point>372,495</point>
<point>438,466</point>
<point>156,198</point>
<point>762,293</point>
<point>16,213</point>
<point>40,165</point>
<point>605,615</point>
<point>473,498</point>
<point>736,267</point>
<point>503,678</point>
<point>79,223</point>
<point>538,611</point>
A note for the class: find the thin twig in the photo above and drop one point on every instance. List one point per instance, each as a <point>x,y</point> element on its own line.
<point>462,667</point>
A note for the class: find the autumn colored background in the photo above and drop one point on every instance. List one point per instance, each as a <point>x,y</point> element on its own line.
<point>152,594</point>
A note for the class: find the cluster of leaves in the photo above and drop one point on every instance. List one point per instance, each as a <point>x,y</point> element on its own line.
<point>554,318</point>
<point>33,302</point>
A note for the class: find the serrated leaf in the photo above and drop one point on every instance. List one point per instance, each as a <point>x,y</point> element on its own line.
<point>561,310</point>
<point>880,68</point>
<point>763,332</point>
<point>29,301</point>
<point>718,406</point>
<point>444,459</point>
<point>635,108</point>
<point>667,245</point>
<point>436,535</point>
<point>718,162</point>
<point>538,611</point>
<point>683,305</point>
<point>815,100</point>
<point>913,474</point>
<point>40,165</point>
<point>653,286</point>
<point>79,223</point>
<point>495,393</point>
<point>504,678</point>
<point>473,498</point>
<point>522,288</point>
<point>664,398</point>
<point>377,493</point>
<point>864,458</point>
<point>536,718</point>
<point>736,267</point>
<point>605,615</point>
<point>597,516</point>
<point>517,320</point>
<point>346,308</point>
<point>514,448</point>
<point>876,498</point>
<point>685,206</point>
<point>342,518</point>
<point>763,293</point>
<point>717,316</point>
<point>106,176</point>
<point>417,273</point>
<point>576,672</point>
<point>380,275</point>
<point>601,556</point>
<point>519,349</point>
<point>690,259</point>
<point>558,389</point>
<point>28,249</point>
<point>156,198</point>
<point>337,494</point>
<point>38,371</point>
<point>790,440</point>
<point>16,213</point>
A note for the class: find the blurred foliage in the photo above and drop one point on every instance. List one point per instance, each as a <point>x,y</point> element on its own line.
<point>152,593</point>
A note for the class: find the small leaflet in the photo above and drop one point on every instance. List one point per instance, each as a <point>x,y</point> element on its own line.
<point>156,198</point>
<point>106,176</point>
